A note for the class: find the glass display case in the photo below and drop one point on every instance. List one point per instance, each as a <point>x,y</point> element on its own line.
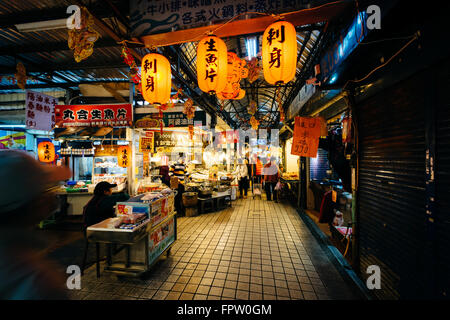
<point>106,168</point>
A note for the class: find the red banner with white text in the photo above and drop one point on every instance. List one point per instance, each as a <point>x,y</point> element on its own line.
<point>101,115</point>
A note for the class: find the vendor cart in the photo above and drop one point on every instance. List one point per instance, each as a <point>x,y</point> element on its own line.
<point>141,246</point>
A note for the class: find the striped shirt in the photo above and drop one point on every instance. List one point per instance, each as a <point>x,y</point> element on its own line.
<point>178,170</point>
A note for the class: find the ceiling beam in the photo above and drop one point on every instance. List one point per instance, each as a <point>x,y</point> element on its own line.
<point>27,16</point>
<point>115,64</point>
<point>64,85</point>
<point>50,47</point>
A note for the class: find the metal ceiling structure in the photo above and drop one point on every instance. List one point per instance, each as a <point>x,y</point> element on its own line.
<point>50,62</point>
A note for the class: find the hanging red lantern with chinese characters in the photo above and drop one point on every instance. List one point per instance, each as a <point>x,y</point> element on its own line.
<point>124,156</point>
<point>156,78</point>
<point>212,64</point>
<point>46,152</point>
<point>279,53</point>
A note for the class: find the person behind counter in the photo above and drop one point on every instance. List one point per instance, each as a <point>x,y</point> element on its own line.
<point>101,206</point>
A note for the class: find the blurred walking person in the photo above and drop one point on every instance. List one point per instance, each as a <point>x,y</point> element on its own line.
<point>26,199</point>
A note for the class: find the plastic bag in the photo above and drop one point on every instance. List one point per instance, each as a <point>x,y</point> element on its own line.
<point>278,186</point>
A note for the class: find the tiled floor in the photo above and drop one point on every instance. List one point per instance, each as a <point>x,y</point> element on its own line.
<point>254,250</point>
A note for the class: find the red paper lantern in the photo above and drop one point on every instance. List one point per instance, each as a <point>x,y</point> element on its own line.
<point>124,156</point>
<point>156,78</point>
<point>46,152</point>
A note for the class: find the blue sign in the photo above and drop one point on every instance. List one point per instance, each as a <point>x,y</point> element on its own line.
<point>342,49</point>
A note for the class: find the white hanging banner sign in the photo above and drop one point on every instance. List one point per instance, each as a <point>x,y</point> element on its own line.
<point>40,111</point>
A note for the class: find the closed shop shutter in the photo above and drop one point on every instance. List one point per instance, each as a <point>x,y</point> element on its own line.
<point>443,180</point>
<point>392,188</point>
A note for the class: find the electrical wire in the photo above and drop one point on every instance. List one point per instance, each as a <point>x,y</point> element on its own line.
<point>416,37</point>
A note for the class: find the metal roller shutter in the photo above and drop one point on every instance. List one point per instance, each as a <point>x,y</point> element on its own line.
<point>443,181</point>
<point>392,188</point>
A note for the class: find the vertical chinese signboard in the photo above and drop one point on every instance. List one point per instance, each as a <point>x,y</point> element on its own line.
<point>146,144</point>
<point>40,111</point>
<point>307,132</point>
<point>102,115</point>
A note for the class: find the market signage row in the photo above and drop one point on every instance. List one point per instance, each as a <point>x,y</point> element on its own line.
<point>150,17</point>
<point>94,115</point>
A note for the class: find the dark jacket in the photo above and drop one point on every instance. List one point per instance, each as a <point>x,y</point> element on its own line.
<point>100,208</point>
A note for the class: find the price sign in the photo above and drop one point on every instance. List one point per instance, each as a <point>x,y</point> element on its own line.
<point>146,144</point>
<point>307,132</point>
<point>305,147</point>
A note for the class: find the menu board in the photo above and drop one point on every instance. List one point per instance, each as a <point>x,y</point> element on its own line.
<point>40,111</point>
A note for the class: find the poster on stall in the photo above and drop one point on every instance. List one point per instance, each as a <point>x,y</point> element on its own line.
<point>307,132</point>
<point>12,140</point>
<point>40,111</point>
<point>101,115</point>
<point>160,239</point>
<point>146,144</point>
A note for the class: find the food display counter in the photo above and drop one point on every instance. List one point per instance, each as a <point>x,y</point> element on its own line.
<point>290,186</point>
<point>145,227</point>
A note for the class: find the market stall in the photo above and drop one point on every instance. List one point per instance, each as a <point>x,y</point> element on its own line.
<point>146,228</point>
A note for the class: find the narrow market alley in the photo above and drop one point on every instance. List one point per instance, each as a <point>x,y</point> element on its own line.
<point>254,250</point>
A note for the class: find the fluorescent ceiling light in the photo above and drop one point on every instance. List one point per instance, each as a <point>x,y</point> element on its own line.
<point>12,126</point>
<point>250,45</point>
<point>42,25</point>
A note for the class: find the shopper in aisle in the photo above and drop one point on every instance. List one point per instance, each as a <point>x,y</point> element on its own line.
<point>271,174</point>
<point>178,170</point>
<point>26,197</point>
<point>258,170</point>
<point>101,205</point>
<point>242,176</point>
<point>164,173</point>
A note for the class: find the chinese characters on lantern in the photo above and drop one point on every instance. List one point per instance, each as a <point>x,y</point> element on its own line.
<point>123,156</point>
<point>156,78</point>
<point>279,52</point>
<point>212,64</point>
<point>46,152</point>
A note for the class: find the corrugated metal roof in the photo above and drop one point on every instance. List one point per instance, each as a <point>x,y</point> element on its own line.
<point>47,51</point>
<point>260,91</point>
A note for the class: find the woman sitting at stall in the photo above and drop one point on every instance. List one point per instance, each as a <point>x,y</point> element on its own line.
<point>101,206</point>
